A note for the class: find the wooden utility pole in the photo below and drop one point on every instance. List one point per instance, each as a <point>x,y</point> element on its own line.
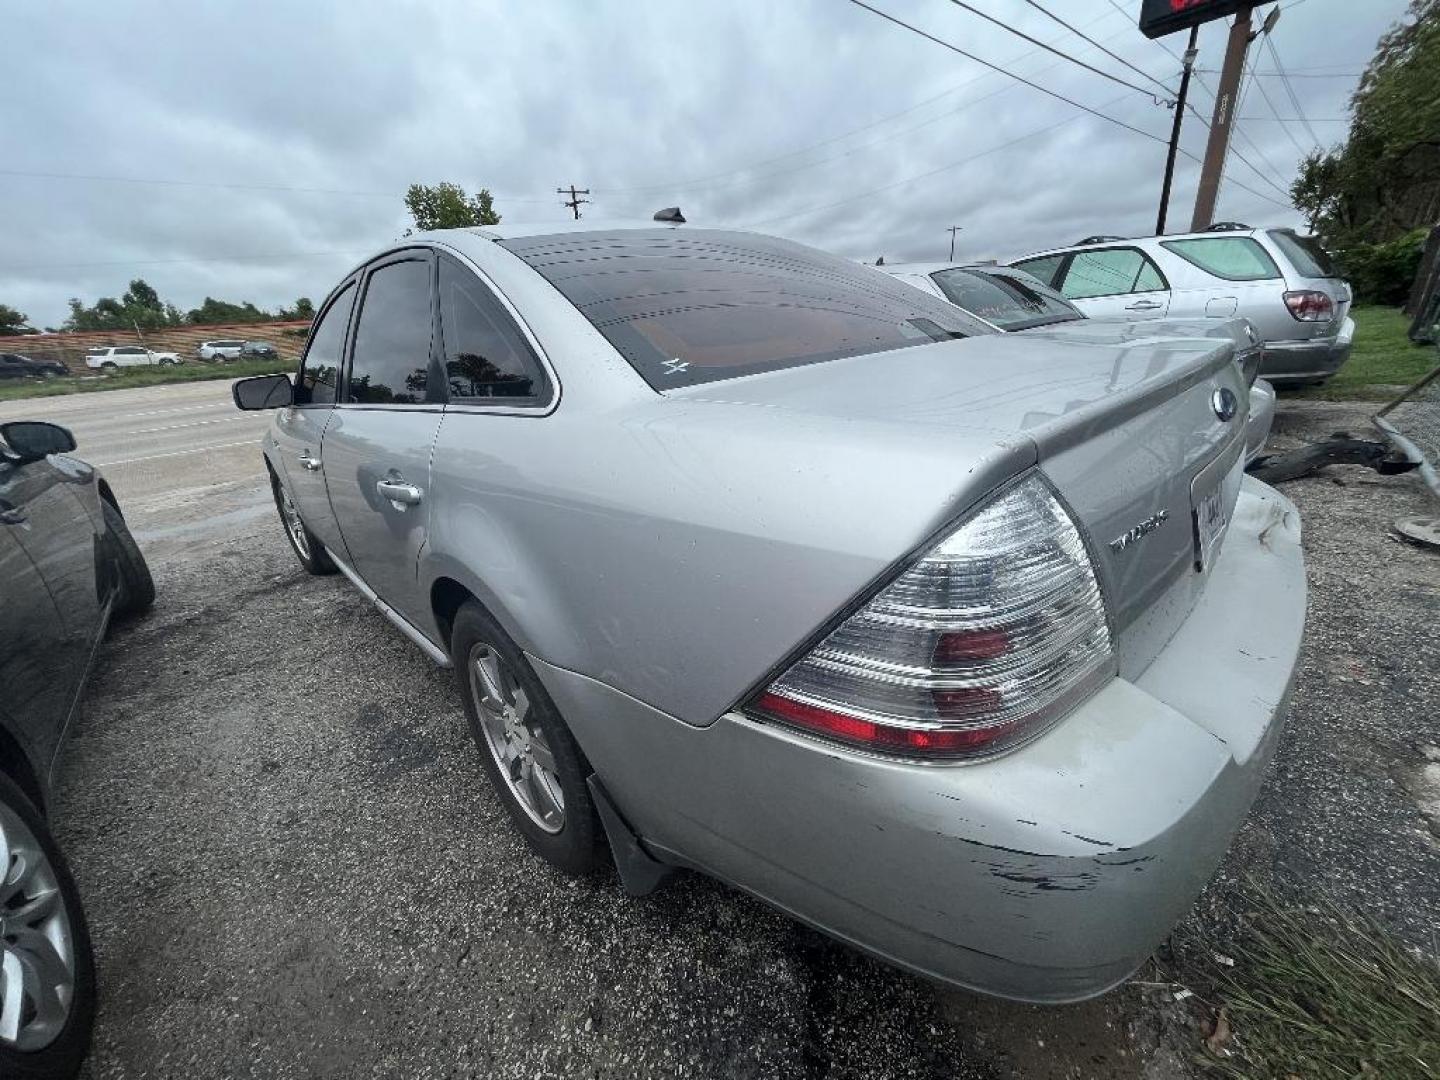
<point>1220,121</point>
<point>1175,131</point>
<point>952,230</point>
<point>574,202</point>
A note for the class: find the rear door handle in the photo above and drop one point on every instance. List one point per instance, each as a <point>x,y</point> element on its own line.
<point>311,463</point>
<point>1143,305</point>
<point>399,493</point>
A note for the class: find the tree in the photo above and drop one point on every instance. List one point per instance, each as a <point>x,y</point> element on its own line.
<point>13,321</point>
<point>139,306</point>
<point>446,206</point>
<point>303,309</point>
<point>1384,180</point>
<point>223,311</point>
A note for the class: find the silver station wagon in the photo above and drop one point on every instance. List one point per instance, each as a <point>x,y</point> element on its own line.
<point>967,648</point>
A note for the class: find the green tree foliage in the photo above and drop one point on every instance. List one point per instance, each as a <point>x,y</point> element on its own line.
<point>13,321</point>
<point>222,311</point>
<point>302,309</point>
<point>446,206</point>
<point>139,306</point>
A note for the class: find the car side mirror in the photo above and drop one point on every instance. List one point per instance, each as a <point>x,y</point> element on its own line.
<point>263,392</point>
<point>32,440</point>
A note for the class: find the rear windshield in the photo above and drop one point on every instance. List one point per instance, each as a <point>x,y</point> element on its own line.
<point>687,307</point>
<point>1010,301</point>
<point>1234,258</point>
<point>1305,252</point>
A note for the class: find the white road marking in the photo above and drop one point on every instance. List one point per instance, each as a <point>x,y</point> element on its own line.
<point>175,453</point>
<point>195,423</point>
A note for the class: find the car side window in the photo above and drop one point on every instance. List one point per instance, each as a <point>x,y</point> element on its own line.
<point>487,359</point>
<point>1043,268</point>
<point>321,362</point>
<point>1110,272</point>
<point>390,359</point>
<point>1234,258</point>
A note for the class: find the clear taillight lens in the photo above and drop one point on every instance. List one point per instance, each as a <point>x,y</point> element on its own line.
<point>1310,305</point>
<point>993,635</point>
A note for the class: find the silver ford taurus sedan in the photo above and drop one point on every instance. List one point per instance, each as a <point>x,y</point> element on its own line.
<point>967,648</point>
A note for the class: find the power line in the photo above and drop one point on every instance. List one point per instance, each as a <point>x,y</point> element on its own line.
<point>1297,74</point>
<point>1273,110</point>
<point>1050,48</point>
<point>1114,56</point>
<point>1290,89</point>
<point>1011,74</point>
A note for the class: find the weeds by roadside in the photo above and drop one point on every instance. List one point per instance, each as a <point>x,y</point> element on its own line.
<point>141,376</point>
<point>1317,993</point>
<point>1382,357</point>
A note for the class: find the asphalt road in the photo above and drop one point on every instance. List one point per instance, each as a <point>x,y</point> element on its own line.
<point>294,868</point>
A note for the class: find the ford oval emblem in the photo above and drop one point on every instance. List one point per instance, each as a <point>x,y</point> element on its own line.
<point>1224,402</point>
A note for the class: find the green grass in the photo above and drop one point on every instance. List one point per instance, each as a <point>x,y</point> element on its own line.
<point>1381,359</point>
<point>142,376</point>
<point>1318,993</point>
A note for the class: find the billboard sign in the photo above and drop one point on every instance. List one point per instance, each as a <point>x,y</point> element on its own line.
<point>1161,17</point>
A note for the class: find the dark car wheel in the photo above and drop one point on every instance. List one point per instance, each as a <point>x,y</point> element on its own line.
<point>137,587</point>
<point>47,972</point>
<point>109,365</point>
<point>311,553</point>
<point>528,753</point>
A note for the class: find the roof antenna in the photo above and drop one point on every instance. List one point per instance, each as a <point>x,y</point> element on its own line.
<point>670,215</point>
<point>880,261</point>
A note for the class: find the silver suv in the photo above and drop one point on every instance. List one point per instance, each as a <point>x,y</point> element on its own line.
<point>1283,283</point>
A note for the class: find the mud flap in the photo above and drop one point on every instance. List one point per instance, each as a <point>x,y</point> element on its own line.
<point>639,873</point>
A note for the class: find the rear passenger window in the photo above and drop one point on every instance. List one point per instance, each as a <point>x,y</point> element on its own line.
<point>1110,272</point>
<point>1043,268</point>
<point>390,360</point>
<point>322,358</point>
<point>1234,258</point>
<point>487,360</point>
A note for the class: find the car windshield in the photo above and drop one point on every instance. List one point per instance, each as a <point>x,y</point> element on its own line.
<point>1305,252</point>
<point>1010,301</point>
<point>693,307</point>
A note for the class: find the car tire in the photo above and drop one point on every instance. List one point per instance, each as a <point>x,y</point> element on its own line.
<point>137,587</point>
<point>306,546</point>
<point>543,785</point>
<point>55,1055</point>
<point>108,365</point>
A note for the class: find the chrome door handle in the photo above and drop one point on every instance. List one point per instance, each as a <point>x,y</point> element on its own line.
<point>1142,305</point>
<point>399,493</point>
<point>311,463</point>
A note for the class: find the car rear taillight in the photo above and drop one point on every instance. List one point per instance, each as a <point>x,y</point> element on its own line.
<point>988,639</point>
<point>1310,305</point>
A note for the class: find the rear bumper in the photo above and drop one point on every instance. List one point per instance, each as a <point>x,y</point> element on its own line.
<point>1046,875</point>
<point>1288,362</point>
<point>1260,418</point>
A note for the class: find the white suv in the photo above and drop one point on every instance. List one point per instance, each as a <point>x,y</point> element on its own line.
<point>1283,283</point>
<point>118,356</point>
<point>219,350</point>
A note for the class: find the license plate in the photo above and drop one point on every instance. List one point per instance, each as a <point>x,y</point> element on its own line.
<point>1212,498</point>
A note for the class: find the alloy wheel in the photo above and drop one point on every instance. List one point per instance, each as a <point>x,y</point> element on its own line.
<point>37,948</point>
<point>515,738</point>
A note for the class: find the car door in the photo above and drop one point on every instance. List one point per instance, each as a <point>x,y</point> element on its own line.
<point>1115,283</point>
<point>299,429</point>
<point>33,668</point>
<point>378,442</point>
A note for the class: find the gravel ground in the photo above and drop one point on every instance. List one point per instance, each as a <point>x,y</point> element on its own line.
<point>294,868</point>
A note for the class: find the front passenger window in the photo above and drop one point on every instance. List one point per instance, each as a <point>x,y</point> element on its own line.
<point>322,358</point>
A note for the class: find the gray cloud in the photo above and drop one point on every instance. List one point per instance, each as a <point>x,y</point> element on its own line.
<point>648,103</point>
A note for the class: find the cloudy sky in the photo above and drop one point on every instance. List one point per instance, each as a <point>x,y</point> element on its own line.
<point>255,151</point>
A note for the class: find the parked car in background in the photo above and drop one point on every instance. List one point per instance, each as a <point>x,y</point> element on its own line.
<point>118,356</point>
<point>228,349</point>
<point>1282,282</point>
<point>15,366</point>
<point>259,350</point>
<point>1013,301</point>
<point>968,648</point>
<point>69,566</point>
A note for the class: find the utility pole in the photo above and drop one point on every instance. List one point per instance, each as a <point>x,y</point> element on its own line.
<point>952,230</point>
<point>1190,53</point>
<point>574,202</point>
<point>1225,101</point>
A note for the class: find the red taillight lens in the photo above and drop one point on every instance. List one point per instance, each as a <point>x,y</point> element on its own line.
<point>985,641</point>
<point>1310,305</point>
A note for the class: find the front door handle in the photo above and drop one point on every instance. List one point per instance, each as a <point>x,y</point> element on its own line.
<point>1143,305</point>
<point>311,463</point>
<point>399,493</point>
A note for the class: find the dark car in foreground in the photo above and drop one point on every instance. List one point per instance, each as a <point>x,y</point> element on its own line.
<point>258,350</point>
<point>967,648</point>
<point>68,566</point>
<point>16,366</point>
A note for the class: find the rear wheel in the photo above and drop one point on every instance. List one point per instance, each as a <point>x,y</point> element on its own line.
<point>528,753</point>
<point>109,365</point>
<point>47,972</point>
<point>311,553</point>
<point>137,587</point>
